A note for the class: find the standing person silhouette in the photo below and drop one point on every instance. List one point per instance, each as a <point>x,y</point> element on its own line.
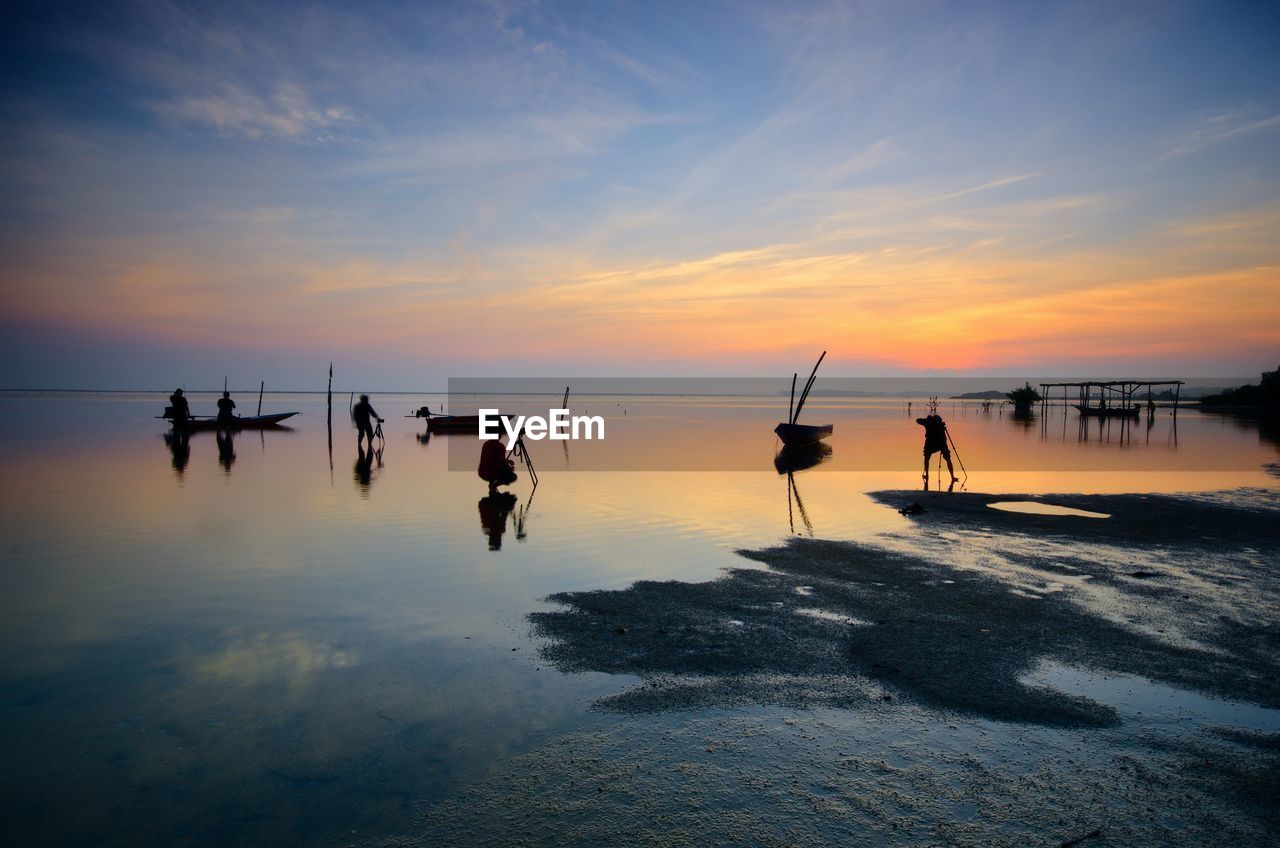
<point>935,441</point>
<point>361,413</point>
<point>225,407</point>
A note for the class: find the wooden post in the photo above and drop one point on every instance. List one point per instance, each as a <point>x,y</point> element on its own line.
<point>791,404</point>
<point>329,422</point>
<point>261,385</point>
<point>1177,392</point>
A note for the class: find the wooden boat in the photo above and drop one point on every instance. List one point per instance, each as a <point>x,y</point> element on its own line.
<point>799,435</point>
<point>1108,411</point>
<point>249,422</point>
<point>450,423</point>
<point>795,435</point>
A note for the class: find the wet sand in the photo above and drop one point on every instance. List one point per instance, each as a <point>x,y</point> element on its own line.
<point>981,678</point>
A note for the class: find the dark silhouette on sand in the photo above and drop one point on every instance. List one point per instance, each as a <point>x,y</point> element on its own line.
<point>494,509</point>
<point>363,414</point>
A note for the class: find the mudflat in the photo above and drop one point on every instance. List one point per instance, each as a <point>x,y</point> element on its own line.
<point>981,678</point>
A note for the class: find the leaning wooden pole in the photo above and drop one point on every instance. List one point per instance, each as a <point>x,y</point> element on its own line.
<point>808,386</point>
<point>261,385</point>
<point>791,404</point>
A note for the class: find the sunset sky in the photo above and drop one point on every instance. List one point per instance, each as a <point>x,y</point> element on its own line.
<point>424,190</point>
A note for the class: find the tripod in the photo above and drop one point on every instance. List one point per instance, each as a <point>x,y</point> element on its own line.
<point>520,452</point>
<point>956,451</point>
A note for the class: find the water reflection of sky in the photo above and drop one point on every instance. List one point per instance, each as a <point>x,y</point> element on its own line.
<point>246,642</point>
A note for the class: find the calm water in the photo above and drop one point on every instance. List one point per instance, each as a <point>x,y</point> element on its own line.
<point>253,643</point>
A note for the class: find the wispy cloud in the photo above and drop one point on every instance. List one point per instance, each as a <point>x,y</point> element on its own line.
<point>1211,128</point>
<point>287,112</point>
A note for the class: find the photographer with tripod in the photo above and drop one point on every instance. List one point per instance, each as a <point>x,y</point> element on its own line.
<point>936,438</point>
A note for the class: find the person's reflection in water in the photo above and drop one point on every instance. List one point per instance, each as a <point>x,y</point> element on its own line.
<point>494,510</point>
<point>179,444</point>
<point>364,467</point>
<point>226,449</point>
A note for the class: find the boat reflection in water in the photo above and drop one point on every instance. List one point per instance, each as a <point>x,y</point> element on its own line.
<point>791,460</point>
<point>178,441</point>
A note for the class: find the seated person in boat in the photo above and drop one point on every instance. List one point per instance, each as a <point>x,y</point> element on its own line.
<point>935,441</point>
<point>361,413</point>
<point>179,409</point>
<point>423,412</point>
<point>225,409</point>
<point>495,469</point>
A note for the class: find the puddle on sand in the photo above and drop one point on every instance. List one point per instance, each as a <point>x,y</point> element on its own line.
<point>1037,508</point>
<point>1155,704</point>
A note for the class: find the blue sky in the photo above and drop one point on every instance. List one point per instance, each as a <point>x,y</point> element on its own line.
<point>420,190</point>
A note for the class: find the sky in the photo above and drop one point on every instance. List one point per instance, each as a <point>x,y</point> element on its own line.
<point>424,190</point>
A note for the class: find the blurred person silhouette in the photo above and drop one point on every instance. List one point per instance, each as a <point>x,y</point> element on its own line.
<point>363,414</point>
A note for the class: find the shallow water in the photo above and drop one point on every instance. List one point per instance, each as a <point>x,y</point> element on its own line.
<point>258,642</point>
<point>1040,508</point>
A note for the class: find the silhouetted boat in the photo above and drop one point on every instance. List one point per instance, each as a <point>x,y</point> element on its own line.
<point>249,422</point>
<point>1108,411</point>
<point>799,435</point>
<point>795,435</point>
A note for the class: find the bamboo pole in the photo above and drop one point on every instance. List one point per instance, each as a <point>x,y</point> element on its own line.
<point>261,385</point>
<point>791,404</point>
<point>805,394</point>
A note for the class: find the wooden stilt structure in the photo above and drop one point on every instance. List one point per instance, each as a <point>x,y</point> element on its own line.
<point>1115,397</point>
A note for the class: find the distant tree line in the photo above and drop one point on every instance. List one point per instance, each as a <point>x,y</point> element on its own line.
<point>1265,395</point>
